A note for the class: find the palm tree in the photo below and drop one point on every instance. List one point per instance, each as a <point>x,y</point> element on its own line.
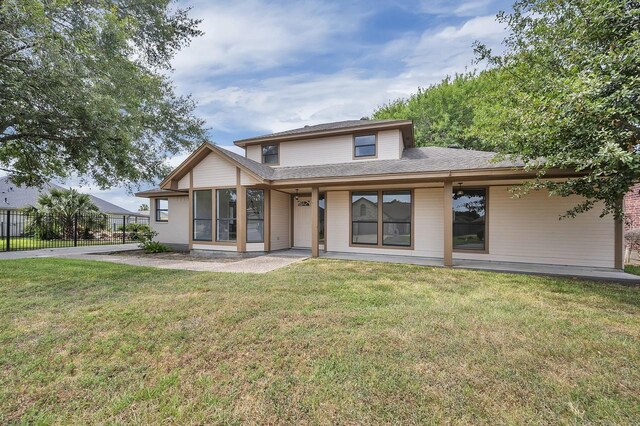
<point>54,214</point>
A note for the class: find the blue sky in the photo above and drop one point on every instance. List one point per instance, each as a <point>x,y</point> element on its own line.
<point>265,66</point>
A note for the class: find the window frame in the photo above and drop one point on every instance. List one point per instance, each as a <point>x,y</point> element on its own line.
<point>486,220</point>
<point>158,210</point>
<point>217,219</point>
<point>410,222</point>
<point>262,155</point>
<point>247,220</point>
<point>380,236</point>
<point>194,218</point>
<point>375,146</point>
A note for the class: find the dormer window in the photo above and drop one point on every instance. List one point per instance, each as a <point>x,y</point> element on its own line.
<point>364,146</point>
<point>270,154</point>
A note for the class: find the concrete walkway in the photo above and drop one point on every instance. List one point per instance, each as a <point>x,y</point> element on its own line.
<point>254,264</point>
<point>67,251</point>
<point>597,274</point>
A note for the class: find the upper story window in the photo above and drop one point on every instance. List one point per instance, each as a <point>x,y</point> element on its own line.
<point>162,210</point>
<point>364,146</point>
<point>270,154</point>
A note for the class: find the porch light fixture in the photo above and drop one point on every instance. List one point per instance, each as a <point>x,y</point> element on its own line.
<point>297,196</point>
<point>459,192</point>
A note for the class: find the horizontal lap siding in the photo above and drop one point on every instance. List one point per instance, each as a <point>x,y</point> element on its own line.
<point>280,205</point>
<point>254,153</point>
<point>247,180</point>
<point>213,171</point>
<point>389,144</point>
<point>176,230</point>
<point>184,182</point>
<point>528,229</point>
<point>213,247</point>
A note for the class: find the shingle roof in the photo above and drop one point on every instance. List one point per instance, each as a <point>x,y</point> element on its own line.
<point>414,160</point>
<point>17,197</point>
<point>338,125</point>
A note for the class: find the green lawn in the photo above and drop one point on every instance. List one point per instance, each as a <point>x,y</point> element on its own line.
<point>320,342</point>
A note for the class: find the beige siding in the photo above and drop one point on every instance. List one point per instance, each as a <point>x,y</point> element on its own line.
<point>176,230</point>
<point>247,180</point>
<point>280,217</point>
<point>184,182</point>
<point>389,144</point>
<point>528,229</point>
<point>213,247</point>
<point>255,246</point>
<point>253,152</point>
<point>523,229</point>
<point>214,171</point>
<point>330,149</point>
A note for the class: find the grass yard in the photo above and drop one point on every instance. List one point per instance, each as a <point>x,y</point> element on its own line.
<point>26,243</point>
<point>320,342</point>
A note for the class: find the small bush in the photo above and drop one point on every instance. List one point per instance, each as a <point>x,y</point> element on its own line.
<point>137,231</point>
<point>154,247</point>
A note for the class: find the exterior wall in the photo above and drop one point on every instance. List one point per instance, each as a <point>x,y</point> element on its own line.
<point>632,208</point>
<point>213,247</point>
<point>254,152</point>
<point>528,229</point>
<point>330,149</point>
<point>247,180</point>
<point>524,229</point>
<point>184,182</point>
<point>213,171</point>
<point>280,220</point>
<point>176,230</point>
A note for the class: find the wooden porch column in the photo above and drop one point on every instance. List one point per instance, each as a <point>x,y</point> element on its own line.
<point>241,215</point>
<point>447,214</point>
<point>315,243</point>
<point>267,220</point>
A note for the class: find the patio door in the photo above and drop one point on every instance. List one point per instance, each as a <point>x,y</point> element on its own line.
<point>302,222</point>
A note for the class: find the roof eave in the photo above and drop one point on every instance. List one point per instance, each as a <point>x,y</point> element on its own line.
<point>406,125</point>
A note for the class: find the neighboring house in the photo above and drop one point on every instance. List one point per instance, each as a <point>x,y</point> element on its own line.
<point>363,187</point>
<point>632,208</point>
<point>16,197</point>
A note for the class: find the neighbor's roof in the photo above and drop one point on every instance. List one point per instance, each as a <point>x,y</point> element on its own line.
<point>335,127</point>
<point>19,196</point>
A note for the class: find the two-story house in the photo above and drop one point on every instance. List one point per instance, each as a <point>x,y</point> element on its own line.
<point>362,186</point>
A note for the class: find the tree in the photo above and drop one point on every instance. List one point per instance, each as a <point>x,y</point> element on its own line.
<point>570,96</point>
<point>443,114</point>
<point>85,89</point>
<point>54,214</point>
<point>143,207</point>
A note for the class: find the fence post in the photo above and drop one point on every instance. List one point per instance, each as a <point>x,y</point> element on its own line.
<point>124,228</point>
<point>75,230</point>
<point>8,247</point>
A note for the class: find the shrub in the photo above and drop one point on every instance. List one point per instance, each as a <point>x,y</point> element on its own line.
<point>146,236</point>
<point>632,239</point>
<point>137,230</point>
<point>154,247</point>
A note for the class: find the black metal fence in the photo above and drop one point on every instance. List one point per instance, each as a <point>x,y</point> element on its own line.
<point>21,230</point>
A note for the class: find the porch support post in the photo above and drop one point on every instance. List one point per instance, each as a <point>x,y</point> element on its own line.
<point>241,215</point>
<point>447,215</point>
<point>315,243</point>
<point>267,220</point>
<point>618,258</point>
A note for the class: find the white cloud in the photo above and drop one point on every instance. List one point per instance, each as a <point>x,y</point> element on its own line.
<point>249,36</point>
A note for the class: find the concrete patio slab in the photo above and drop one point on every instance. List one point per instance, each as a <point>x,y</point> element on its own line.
<point>597,274</point>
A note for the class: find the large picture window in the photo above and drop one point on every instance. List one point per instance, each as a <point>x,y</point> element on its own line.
<point>396,218</point>
<point>226,215</point>
<point>469,219</point>
<point>364,146</point>
<point>270,154</point>
<point>395,212</point>
<point>202,215</point>
<point>255,215</point>
<point>364,218</point>
<point>162,210</point>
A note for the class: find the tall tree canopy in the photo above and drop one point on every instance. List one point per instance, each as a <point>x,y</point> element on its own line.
<point>570,95</point>
<point>84,89</point>
<point>443,114</point>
